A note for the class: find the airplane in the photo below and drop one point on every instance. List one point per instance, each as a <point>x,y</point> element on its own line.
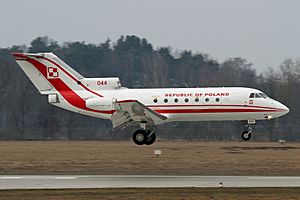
<point>105,98</point>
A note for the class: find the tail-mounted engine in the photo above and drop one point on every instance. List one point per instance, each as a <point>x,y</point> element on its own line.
<point>102,83</point>
<point>99,103</point>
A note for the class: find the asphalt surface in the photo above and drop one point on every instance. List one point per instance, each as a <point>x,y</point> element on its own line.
<point>124,181</point>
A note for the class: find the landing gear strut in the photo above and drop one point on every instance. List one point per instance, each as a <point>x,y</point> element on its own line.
<point>151,138</point>
<point>144,136</point>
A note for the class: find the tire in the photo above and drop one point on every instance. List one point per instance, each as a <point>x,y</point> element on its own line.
<point>150,140</point>
<point>139,137</point>
<point>246,135</point>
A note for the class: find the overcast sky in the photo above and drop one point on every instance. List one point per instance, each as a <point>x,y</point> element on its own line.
<point>265,32</point>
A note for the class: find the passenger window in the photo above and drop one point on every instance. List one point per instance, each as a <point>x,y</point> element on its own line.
<point>186,100</point>
<point>217,100</point>
<point>166,100</point>
<point>155,100</point>
<point>197,99</point>
<point>251,95</point>
<point>207,99</point>
<point>175,100</point>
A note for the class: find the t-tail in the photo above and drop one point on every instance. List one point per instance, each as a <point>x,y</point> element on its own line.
<point>63,85</point>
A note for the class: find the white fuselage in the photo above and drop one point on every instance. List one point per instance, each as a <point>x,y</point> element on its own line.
<point>194,104</point>
<point>101,97</point>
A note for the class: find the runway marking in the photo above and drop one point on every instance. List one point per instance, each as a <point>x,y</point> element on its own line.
<point>65,178</point>
<point>276,177</point>
<point>11,177</point>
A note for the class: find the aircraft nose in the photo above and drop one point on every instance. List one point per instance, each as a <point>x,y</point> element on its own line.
<point>284,108</point>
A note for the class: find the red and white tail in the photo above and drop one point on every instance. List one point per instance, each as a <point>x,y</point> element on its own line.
<point>49,73</point>
<point>64,86</point>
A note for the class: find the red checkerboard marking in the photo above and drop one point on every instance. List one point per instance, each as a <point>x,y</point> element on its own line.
<point>52,72</point>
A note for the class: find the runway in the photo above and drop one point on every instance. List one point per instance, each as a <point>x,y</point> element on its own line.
<point>125,181</point>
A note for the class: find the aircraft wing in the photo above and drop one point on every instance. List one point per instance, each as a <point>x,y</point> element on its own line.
<point>130,111</point>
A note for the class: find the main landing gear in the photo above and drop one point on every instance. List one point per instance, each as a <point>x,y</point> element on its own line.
<point>144,136</point>
<point>141,137</point>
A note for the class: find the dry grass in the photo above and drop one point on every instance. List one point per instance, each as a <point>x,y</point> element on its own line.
<point>194,158</point>
<point>155,194</point>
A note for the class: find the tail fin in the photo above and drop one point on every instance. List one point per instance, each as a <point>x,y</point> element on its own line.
<point>64,86</point>
<point>48,73</point>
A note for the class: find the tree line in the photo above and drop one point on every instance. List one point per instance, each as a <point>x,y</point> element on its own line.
<point>25,115</point>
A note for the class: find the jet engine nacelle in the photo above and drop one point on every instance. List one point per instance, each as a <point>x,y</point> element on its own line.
<point>102,83</point>
<point>99,103</point>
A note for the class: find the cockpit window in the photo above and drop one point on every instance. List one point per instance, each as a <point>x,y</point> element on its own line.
<point>257,95</point>
<point>263,95</point>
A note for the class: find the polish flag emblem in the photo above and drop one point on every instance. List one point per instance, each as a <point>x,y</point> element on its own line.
<point>250,101</point>
<point>52,72</point>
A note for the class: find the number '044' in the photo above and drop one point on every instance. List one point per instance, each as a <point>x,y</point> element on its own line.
<point>101,82</point>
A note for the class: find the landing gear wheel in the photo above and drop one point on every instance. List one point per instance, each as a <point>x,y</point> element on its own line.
<point>150,139</point>
<point>246,135</point>
<point>139,137</point>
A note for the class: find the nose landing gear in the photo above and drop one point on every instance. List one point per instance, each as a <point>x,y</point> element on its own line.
<point>246,134</point>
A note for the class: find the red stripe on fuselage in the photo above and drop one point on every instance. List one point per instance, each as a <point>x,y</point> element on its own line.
<point>210,105</point>
<point>221,110</point>
<point>70,96</point>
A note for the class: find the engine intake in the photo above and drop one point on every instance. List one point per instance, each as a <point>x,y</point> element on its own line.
<point>99,103</point>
